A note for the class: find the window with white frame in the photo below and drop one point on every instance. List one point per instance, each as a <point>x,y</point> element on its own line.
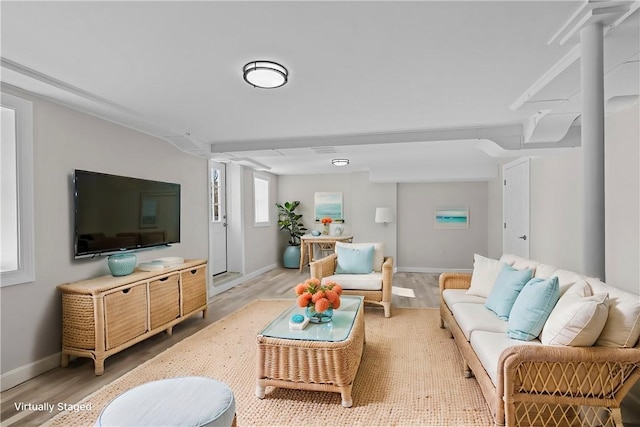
<point>216,193</point>
<point>261,200</point>
<point>17,264</point>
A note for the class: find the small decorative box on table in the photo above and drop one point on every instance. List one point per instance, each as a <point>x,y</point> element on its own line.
<point>320,357</point>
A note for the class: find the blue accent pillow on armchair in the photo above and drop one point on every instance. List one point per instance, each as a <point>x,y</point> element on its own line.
<point>505,291</point>
<point>354,260</point>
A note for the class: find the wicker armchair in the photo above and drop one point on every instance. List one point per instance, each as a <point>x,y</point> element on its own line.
<point>326,267</point>
<point>548,385</point>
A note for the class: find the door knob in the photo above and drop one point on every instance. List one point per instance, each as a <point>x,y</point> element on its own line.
<point>523,237</point>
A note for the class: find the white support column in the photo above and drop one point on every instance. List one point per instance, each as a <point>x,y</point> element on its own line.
<point>592,85</point>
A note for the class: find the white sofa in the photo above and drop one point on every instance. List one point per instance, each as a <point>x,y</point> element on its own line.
<point>530,383</point>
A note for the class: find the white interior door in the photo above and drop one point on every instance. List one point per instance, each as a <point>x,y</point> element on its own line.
<point>218,219</point>
<point>515,208</point>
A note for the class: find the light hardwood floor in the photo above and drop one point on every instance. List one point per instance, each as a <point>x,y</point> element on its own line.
<point>70,385</point>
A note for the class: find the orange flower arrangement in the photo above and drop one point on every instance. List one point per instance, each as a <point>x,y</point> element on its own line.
<point>322,297</point>
<point>326,220</point>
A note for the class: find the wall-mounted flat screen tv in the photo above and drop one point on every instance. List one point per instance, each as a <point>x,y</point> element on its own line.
<point>117,213</point>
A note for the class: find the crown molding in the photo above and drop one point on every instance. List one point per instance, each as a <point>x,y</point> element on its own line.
<point>19,77</point>
<point>30,73</point>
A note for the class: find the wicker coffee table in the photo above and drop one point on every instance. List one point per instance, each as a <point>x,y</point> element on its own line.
<point>321,357</point>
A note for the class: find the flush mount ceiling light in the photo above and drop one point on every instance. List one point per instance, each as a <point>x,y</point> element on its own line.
<point>265,74</point>
<point>340,162</point>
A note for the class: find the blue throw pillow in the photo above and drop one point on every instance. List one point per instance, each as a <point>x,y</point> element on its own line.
<point>508,285</point>
<point>532,308</point>
<point>354,260</point>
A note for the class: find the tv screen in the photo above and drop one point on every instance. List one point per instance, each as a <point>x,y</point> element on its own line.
<point>117,213</point>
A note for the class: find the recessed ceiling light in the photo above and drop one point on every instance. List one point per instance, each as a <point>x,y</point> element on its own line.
<point>340,162</point>
<point>265,74</point>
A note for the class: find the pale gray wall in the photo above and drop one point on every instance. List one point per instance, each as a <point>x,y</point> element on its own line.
<point>494,215</point>
<point>65,140</point>
<point>421,247</point>
<point>556,206</point>
<point>622,218</point>
<point>410,239</point>
<point>260,243</point>
<point>360,198</point>
<point>622,211</point>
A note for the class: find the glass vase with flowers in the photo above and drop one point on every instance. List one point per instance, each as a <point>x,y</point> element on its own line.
<point>318,300</point>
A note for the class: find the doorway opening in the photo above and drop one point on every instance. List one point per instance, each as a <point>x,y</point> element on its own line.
<point>226,267</point>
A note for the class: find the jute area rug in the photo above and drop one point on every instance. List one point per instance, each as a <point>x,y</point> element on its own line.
<point>410,374</point>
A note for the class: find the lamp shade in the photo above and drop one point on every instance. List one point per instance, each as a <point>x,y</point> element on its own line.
<point>384,215</point>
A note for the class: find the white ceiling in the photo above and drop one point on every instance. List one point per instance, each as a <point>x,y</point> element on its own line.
<point>408,91</point>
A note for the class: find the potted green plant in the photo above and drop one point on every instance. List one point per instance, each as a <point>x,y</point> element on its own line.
<point>289,221</point>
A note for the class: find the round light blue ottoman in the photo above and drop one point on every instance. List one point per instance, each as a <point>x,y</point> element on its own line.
<point>183,401</point>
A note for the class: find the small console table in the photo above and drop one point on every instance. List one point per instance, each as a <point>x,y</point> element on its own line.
<point>325,242</point>
<point>105,315</point>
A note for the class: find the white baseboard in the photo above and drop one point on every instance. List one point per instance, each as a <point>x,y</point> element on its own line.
<point>23,373</point>
<point>433,270</point>
<point>215,290</point>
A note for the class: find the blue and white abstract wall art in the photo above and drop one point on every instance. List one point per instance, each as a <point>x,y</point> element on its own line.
<point>455,218</point>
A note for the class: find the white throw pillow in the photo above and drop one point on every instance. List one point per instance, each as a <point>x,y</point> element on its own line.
<point>519,263</point>
<point>567,278</point>
<point>544,271</point>
<point>577,319</point>
<point>485,273</point>
<point>623,324</point>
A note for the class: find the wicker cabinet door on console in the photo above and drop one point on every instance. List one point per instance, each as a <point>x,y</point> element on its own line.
<point>125,314</point>
<point>105,315</point>
<point>194,296</point>
<point>164,299</point>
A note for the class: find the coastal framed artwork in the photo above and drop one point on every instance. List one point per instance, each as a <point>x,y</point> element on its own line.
<point>455,218</point>
<point>328,204</point>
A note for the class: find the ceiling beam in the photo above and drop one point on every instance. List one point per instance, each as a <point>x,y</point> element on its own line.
<point>507,136</point>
